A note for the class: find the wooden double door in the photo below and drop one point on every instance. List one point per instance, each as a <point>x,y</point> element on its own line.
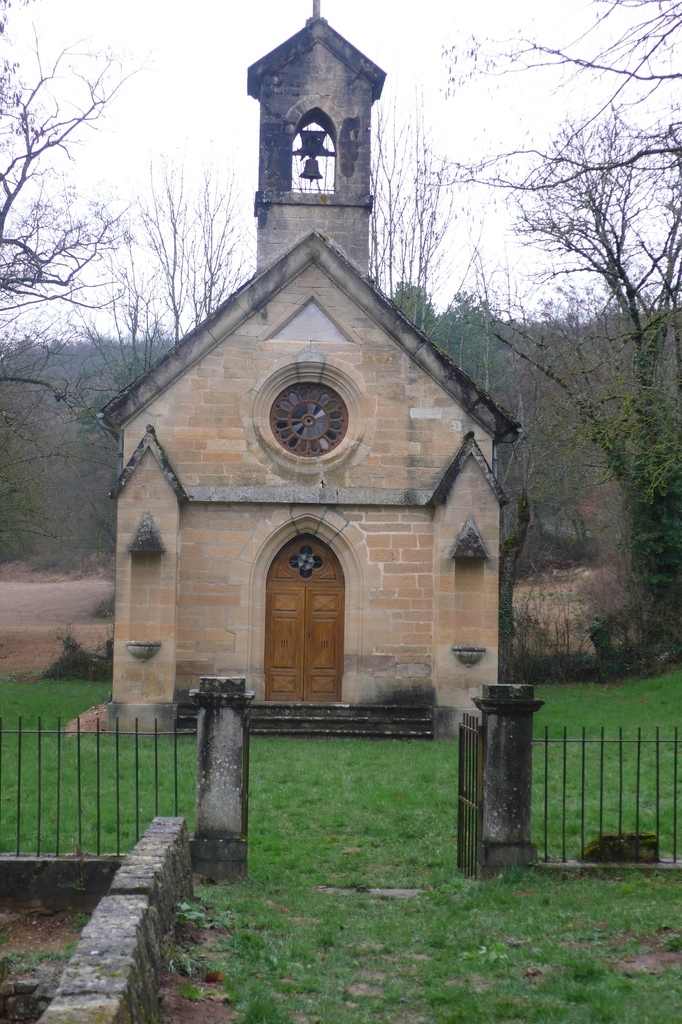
<point>304,623</point>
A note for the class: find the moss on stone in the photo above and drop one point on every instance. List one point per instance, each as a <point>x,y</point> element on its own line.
<point>628,846</point>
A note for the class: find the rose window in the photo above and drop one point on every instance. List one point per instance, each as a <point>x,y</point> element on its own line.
<point>305,561</point>
<point>309,419</point>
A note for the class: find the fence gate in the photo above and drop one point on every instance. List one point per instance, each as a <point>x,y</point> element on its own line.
<point>469,793</point>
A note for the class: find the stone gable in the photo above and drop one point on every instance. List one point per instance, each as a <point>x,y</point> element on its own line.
<point>213,420</point>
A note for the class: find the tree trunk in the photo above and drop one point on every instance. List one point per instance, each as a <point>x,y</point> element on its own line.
<point>510,550</point>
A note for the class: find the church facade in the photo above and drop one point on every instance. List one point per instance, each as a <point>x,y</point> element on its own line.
<point>308,498</point>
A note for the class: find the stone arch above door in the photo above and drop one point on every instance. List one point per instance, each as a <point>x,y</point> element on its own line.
<point>304,623</point>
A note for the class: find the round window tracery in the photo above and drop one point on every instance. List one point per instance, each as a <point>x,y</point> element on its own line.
<point>309,419</point>
<point>306,562</point>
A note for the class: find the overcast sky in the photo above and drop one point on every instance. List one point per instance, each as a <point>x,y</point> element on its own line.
<point>187,97</point>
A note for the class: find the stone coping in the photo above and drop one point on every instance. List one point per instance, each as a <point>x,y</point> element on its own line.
<point>299,494</point>
<point>113,976</point>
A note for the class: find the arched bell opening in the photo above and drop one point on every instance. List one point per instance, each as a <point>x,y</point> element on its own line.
<point>313,164</point>
<point>304,616</point>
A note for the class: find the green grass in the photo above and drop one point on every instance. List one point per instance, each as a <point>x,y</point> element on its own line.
<point>382,814</point>
<point>47,699</point>
<point>646,703</point>
<point>351,813</point>
<point>641,705</point>
<point>116,825</point>
<point>101,817</point>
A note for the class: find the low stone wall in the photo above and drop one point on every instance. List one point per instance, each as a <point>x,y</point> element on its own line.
<point>24,998</point>
<point>113,976</point>
<point>57,883</point>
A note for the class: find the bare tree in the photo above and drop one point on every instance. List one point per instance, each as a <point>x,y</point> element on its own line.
<point>194,238</point>
<point>640,60</point>
<point>50,239</point>
<point>183,254</point>
<point>136,330</point>
<point>48,236</point>
<point>630,53</point>
<point>413,213</point>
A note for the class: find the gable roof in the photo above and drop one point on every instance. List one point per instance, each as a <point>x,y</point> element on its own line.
<point>314,248</point>
<point>468,450</point>
<point>316,30</point>
<point>149,443</point>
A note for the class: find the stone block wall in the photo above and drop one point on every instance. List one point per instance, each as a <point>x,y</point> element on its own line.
<point>407,601</point>
<point>26,998</point>
<point>146,597</point>
<point>215,434</point>
<point>113,976</point>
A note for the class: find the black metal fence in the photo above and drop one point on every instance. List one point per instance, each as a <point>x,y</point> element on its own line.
<point>68,791</point>
<point>469,794</point>
<point>595,793</point>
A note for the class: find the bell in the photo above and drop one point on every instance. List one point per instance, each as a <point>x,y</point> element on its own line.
<point>311,171</point>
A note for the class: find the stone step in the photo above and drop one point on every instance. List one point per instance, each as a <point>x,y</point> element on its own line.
<point>368,733</point>
<point>340,712</point>
<point>398,721</point>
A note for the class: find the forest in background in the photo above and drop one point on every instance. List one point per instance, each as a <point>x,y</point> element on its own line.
<point>589,360</point>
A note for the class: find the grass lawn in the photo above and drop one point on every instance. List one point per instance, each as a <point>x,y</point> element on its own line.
<point>353,813</point>
<point>95,794</point>
<point>646,703</point>
<point>350,813</point>
<point>627,801</point>
<point>48,699</point>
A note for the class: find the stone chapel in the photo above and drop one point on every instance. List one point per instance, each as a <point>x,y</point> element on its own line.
<point>309,498</point>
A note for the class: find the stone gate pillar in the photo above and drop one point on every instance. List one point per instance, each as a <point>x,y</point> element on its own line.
<point>505,837</point>
<point>219,843</point>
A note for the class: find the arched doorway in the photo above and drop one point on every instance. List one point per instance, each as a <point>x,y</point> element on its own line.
<point>304,623</point>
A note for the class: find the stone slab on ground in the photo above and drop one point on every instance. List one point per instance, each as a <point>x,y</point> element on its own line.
<point>400,894</point>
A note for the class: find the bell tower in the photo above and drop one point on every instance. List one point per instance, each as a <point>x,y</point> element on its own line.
<point>316,92</point>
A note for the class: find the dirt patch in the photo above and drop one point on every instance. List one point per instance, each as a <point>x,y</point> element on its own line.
<point>185,1002</point>
<point>21,572</point>
<point>37,932</point>
<point>89,720</point>
<point>188,934</point>
<point>35,608</point>
<point>362,989</point>
<point>624,937</point>
<point>475,981</point>
<point>534,975</point>
<point>649,963</point>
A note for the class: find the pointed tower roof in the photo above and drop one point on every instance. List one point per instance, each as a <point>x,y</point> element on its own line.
<point>316,30</point>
